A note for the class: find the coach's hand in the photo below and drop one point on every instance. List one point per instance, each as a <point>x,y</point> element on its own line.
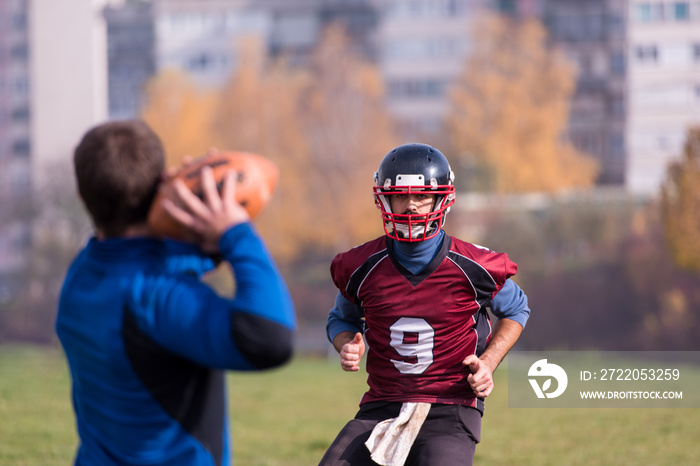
<point>207,219</point>
<point>481,377</point>
<point>351,348</point>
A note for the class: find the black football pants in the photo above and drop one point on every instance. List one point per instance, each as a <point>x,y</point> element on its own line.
<point>448,436</point>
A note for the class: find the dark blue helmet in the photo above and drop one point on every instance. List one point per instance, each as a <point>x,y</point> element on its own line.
<point>409,169</point>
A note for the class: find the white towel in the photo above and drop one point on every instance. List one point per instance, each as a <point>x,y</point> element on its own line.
<point>391,440</point>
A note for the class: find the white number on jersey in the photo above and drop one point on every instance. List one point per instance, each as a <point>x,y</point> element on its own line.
<point>413,338</point>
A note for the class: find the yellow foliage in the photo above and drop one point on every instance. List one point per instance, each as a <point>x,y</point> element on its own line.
<point>509,108</point>
<point>348,131</point>
<point>323,123</point>
<point>680,202</point>
<point>326,128</point>
<point>180,114</point>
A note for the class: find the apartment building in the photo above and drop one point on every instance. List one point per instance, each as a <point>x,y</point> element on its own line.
<point>638,85</point>
<point>422,48</point>
<point>130,56</point>
<point>593,36</point>
<point>663,87</point>
<point>52,87</point>
<point>637,61</point>
<point>15,134</point>
<point>200,36</point>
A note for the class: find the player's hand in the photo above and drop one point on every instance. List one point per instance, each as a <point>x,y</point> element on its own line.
<point>170,172</point>
<point>209,218</point>
<point>351,353</point>
<point>481,377</point>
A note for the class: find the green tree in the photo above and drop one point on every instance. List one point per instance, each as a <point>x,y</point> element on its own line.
<point>509,108</point>
<point>680,204</point>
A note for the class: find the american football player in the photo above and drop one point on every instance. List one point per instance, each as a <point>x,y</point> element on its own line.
<point>416,300</point>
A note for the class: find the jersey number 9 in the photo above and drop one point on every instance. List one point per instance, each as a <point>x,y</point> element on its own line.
<point>414,339</point>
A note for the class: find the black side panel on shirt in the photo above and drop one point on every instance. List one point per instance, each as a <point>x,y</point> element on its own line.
<point>263,342</point>
<point>483,330</point>
<point>484,287</point>
<point>191,394</point>
<point>483,283</point>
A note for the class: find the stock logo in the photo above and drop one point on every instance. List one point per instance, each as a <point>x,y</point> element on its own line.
<point>542,370</point>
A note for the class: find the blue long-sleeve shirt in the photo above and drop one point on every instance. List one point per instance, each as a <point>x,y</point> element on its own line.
<point>147,343</point>
<point>346,316</point>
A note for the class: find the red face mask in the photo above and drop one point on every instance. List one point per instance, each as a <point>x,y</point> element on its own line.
<point>413,227</point>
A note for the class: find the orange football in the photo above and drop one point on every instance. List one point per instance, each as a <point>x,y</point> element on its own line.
<point>256,182</point>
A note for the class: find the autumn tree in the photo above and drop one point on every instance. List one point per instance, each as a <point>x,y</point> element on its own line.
<point>323,123</point>
<point>257,112</point>
<point>348,130</point>
<point>181,114</point>
<point>509,108</point>
<point>680,201</point>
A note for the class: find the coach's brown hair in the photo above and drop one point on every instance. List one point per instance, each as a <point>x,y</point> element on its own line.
<point>118,166</point>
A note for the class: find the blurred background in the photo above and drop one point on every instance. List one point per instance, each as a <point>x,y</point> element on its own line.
<point>573,127</point>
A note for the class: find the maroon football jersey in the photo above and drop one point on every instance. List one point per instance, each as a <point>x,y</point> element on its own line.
<point>419,328</point>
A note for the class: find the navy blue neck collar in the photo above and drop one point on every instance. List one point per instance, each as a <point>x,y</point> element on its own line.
<point>416,256</point>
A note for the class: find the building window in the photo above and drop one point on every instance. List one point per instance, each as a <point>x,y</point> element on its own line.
<point>696,53</point>
<point>417,88</point>
<point>585,66</point>
<point>616,24</point>
<point>426,9</point>
<point>20,86</point>
<point>19,21</point>
<point>642,13</point>
<point>20,185</point>
<point>20,52</point>
<point>681,11</point>
<point>646,53</point>
<point>616,106</point>
<point>617,144</point>
<point>617,63</point>
<point>651,12</point>
<point>21,148</point>
<point>200,62</point>
<point>507,6</point>
<point>20,114</point>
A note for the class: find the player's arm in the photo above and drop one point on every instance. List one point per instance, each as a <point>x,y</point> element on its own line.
<point>252,331</point>
<point>344,330</point>
<point>186,258</point>
<point>511,303</point>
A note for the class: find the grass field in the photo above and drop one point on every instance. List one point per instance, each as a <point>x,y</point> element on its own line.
<point>289,416</point>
